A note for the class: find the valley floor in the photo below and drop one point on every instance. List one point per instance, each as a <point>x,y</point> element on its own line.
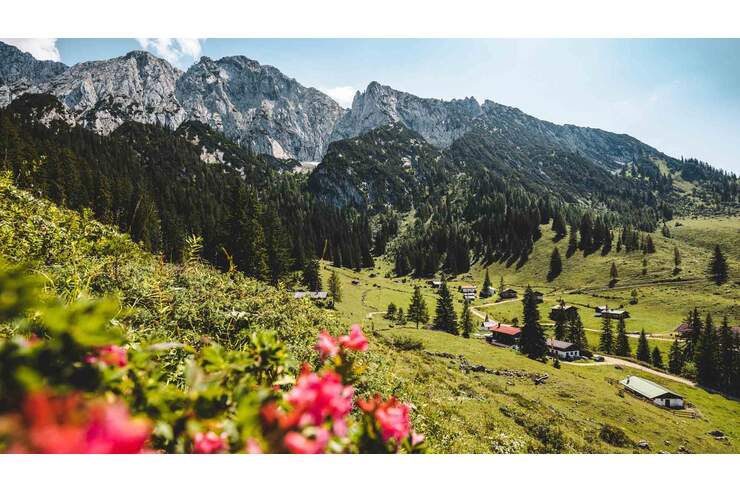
<point>504,410</point>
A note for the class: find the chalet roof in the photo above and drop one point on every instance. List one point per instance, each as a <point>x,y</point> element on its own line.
<point>509,290</point>
<point>310,294</point>
<point>646,388</point>
<point>560,345</point>
<point>684,328</point>
<point>467,286</point>
<point>506,329</point>
<point>538,293</point>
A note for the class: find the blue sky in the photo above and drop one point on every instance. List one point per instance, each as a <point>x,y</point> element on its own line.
<point>680,96</point>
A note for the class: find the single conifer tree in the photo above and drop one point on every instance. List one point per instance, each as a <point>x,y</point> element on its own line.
<point>649,245</point>
<point>633,297</point>
<point>675,358</point>
<point>312,275</point>
<point>656,358</point>
<point>466,321</point>
<point>644,266</point>
<point>572,242</point>
<point>613,272</point>
<point>445,318</point>
<point>390,312</point>
<point>400,316</point>
<point>335,287</point>
<point>718,267</point>
<point>501,287</point>
<point>486,291</point>
<point>556,265</point>
<point>606,341</point>
<point>643,348</point>
<point>576,333</point>
<point>417,311</point>
<point>532,339</point>
<point>622,345</point>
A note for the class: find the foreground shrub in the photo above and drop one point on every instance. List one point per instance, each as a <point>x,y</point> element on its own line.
<point>71,382</point>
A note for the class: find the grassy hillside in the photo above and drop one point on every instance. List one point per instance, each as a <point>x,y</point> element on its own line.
<point>481,412</point>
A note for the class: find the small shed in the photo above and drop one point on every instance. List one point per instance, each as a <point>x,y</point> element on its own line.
<point>659,395</point>
<point>467,288</point>
<point>469,296</point>
<point>435,284</point>
<point>538,296</point>
<point>563,349</point>
<point>314,295</point>
<point>508,293</point>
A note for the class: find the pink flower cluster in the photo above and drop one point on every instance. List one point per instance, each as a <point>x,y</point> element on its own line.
<point>109,355</point>
<point>392,417</point>
<point>328,346</point>
<point>69,425</point>
<point>210,442</point>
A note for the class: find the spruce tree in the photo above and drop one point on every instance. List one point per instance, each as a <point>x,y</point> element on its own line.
<point>532,340</point>
<point>486,285</point>
<point>693,320</point>
<point>559,330</point>
<point>706,355</point>
<point>445,318</point>
<point>644,266</point>
<point>390,312</point>
<point>728,357</point>
<point>572,242</point>
<point>622,345</point>
<point>643,348</point>
<point>656,358</point>
<point>400,317</point>
<point>466,322</point>
<point>501,287</point>
<point>675,358</point>
<point>649,245</point>
<point>312,275</point>
<point>718,267</point>
<point>576,333</point>
<point>556,265</point>
<point>558,226</point>
<point>606,341</point>
<point>613,272</point>
<point>417,311</point>
<point>335,287</point>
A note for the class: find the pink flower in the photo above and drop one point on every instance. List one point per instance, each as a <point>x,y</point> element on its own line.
<point>416,438</point>
<point>112,355</point>
<point>355,341</point>
<point>209,442</point>
<point>327,346</point>
<point>392,417</point>
<point>253,447</point>
<point>298,443</point>
<point>69,425</point>
<point>112,431</point>
<point>315,398</point>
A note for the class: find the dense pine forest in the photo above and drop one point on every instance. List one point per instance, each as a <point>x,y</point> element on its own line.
<point>384,192</point>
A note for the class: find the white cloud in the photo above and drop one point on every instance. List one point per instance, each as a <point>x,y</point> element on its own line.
<point>180,52</point>
<point>40,48</point>
<point>342,95</point>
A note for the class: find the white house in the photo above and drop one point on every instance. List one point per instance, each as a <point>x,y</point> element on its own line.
<point>563,349</point>
<point>660,396</point>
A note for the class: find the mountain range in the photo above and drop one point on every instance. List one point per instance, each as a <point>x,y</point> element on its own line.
<point>165,154</point>
<point>259,107</point>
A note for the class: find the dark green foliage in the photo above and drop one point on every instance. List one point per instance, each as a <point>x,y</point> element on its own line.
<point>558,226</point>
<point>335,286</point>
<point>613,272</point>
<point>622,344</point>
<point>560,320</point>
<point>417,311</point>
<point>649,245</point>
<point>312,275</point>
<point>656,358</point>
<point>556,265</point>
<point>675,358</point>
<point>695,332</point>
<point>486,285</point>
<point>643,349</point>
<point>706,356</point>
<point>606,340</point>
<point>404,343</point>
<point>466,321</point>
<point>575,332</point>
<point>718,267</point>
<point>572,242</point>
<point>390,312</point>
<point>728,358</point>
<point>532,340</point>
<point>445,318</point>
<point>400,316</point>
<point>676,260</point>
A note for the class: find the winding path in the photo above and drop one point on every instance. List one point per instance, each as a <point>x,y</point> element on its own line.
<point>610,360</point>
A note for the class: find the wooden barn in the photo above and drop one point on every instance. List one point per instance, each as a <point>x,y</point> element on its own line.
<point>646,389</point>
